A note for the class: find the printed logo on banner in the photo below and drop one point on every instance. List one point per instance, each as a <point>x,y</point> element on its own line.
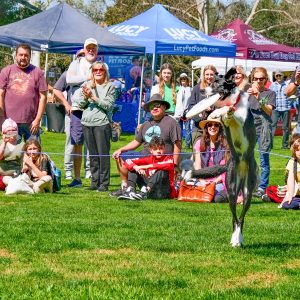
<point>258,39</point>
<point>227,34</point>
<point>184,34</point>
<point>128,30</point>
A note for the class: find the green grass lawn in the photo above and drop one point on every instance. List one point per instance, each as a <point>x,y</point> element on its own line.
<point>79,244</point>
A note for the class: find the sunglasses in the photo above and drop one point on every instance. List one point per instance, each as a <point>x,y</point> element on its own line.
<point>154,105</point>
<point>99,70</point>
<point>278,75</point>
<point>213,125</point>
<point>259,78</point>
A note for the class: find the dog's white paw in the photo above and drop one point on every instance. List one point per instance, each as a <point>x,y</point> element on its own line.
<point>187,176</point>
<point>237,237</point>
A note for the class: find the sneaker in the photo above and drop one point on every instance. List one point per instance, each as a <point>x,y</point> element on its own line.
<point>140,196</point>
<point>265,198</point>
<point>259,193</point>
<point>75,183</point>
<point>68,175</point>
<point>130,194</point>
<point>118,192</point>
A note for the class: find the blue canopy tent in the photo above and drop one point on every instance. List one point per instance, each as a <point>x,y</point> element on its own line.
<point>162,33</point>
<point>63,29</point>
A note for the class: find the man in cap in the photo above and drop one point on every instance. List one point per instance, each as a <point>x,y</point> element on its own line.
<point>283,107</point>
<point>23,90</point>
<point>160,125</point>
<point>78,72</point>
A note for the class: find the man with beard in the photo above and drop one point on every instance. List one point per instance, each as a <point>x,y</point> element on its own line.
<point>23,90</point>
<point>78,72</point>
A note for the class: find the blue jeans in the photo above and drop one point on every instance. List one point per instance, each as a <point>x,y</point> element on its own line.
<point>24,132</point>
<point>188,132</point>
<point>264,159</point>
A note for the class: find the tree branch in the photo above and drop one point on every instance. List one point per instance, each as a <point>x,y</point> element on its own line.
<point>252,13</point>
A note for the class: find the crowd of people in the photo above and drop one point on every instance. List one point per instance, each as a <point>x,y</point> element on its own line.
<point>88,94</point>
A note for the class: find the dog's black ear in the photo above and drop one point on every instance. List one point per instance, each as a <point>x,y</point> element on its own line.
<point>230,73</point>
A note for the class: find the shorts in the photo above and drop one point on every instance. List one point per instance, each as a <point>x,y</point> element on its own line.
<point>76,129</point>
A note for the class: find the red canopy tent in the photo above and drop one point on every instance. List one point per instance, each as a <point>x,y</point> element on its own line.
<point>253,45</point>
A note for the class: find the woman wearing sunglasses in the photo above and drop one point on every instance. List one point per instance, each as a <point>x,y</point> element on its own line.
<point>97,98</point>
<point>261,103</point>
<point>210,150</point>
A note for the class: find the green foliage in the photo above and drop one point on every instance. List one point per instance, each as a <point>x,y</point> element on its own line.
<point>85,245</point>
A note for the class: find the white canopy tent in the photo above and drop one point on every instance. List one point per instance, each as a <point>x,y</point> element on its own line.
<point>223,64</point>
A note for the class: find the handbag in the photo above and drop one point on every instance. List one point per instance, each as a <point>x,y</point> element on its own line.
<point>192,192</point>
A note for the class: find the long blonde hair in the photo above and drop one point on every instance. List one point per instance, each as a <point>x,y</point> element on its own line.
<point>203,83</point>
<point>161,86</point>
<point>259,69</point>
<point>40,156</point>
<point>102,65</point>
<point>245,81</point>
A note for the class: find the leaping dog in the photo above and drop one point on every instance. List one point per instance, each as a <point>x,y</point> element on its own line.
<point>239,128</point>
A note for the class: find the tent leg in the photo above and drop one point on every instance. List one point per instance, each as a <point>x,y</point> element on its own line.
<point>46,65</point>
<point>141,93</point>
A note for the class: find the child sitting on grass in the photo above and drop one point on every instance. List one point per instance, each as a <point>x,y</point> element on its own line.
<point>154,174</point>
<point>10,153</point>
<point>37,166</point>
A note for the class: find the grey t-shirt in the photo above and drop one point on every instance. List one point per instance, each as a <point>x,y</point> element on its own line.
<point>167,128</point>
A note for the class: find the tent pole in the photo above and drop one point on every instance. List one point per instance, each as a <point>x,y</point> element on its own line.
<point>46,65</point>
<point>141,92</point>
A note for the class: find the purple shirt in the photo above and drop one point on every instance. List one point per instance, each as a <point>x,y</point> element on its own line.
<point>22,92</point>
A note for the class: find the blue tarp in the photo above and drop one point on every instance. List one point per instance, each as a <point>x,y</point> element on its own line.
<point>162,33</point>
<point>64,29</point>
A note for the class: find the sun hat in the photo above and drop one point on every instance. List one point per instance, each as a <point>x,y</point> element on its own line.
<point>209,119</point>
<point>182,75</point>
<point>90,41</point>
<point>156,98</point>
<point>9,126</point>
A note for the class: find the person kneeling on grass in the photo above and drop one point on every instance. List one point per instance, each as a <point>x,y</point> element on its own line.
<point>154,174</point>
<point>37,166</point>
<point>10,153</point>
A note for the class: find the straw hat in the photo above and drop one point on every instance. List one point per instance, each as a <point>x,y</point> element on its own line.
<point>208,120</point>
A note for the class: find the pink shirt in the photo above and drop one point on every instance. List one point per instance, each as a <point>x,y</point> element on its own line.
<point>22,92</point>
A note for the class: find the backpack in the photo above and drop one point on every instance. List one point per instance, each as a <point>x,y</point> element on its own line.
<point>55,174</point>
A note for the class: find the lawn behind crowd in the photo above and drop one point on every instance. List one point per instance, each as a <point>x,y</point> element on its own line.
<point>79,244</point>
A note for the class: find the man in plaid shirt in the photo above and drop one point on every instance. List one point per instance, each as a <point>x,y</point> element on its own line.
<point>283,107</point>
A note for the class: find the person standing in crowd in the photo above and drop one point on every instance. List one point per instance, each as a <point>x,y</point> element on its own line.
<point>183,96</point>
<point>129,80</point>
<point>283,107</point>
<point>63,93</point>
<point>241,79</point>
<point>79,71</point>
<point>97,98</point>
<point>23,93</point>
<point>160,125</point>
<point>294,88</point>
<point>167,87</point>
<point>199,93</point>
<point>261,103</point>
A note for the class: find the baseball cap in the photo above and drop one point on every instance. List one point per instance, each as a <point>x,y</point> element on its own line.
<point>278,73</point>
<point>90,41</point>
<point>182,75</point>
